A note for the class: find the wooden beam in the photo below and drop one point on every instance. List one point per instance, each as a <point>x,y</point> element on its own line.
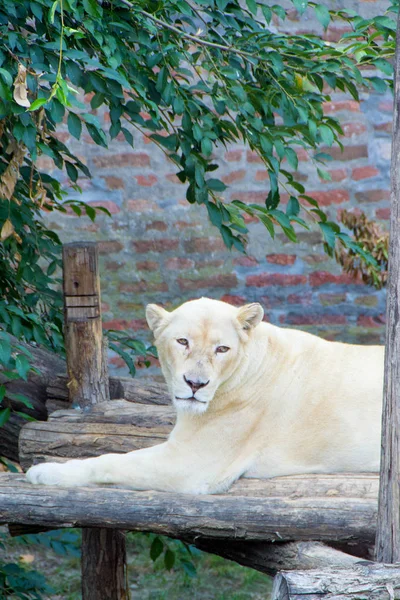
<point>103,566</point>
<point>304,508</point>
<point>364,581</point>
<point>388,528</point>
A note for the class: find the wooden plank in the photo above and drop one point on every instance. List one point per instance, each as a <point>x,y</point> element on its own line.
<point>388,531</point>
<point>103,567</point>
<point>364,581</point>
<point>250,511</point>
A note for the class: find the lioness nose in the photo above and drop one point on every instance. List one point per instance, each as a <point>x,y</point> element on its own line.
<point>195,385</point>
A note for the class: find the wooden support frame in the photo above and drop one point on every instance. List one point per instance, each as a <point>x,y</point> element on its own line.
<point>387,545</point>
<point>103,551</point>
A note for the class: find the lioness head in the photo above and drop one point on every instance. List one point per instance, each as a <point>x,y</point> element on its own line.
<point>200,345</point>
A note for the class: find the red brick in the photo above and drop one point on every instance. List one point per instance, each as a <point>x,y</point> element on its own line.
<point>224,281</point>
<point>143,286</point>
<point>176,263</point>
<point>117,362</point>
<point>383,214</point>
<point>235,300</point>
<point>183,225</point>
<point>281,259</point>
<point>336,175</point>
<point>251,197</point>
<point>147,265</point>
<point>141,205</point>
<point>155,245</point>
<point>368,321</point>
<point>386,127</point>
<point>233,155</point>
<point>261,175</point>
<point>314,259</point>
<point>331,299</point>
<point>302,154</point>
<point>245,261</point>
<point>146,180</point>
<point>117,324</point>
<point>334,34</point>
<point>303,299</point>
<point>109,246</point>
<point>204,264</point>
<point>386,106</point>
<point>353,128</point>
<point>108,204</point>
<point>114,183</point>
<point>157,225</point>
<point>323,277</point>
<point>351,105</point>
<point>173,178</point>
<point>372,195</point>
<point>304,319</point>
<point>266,279</point>
<point>348,152</point>
<point>234,176</point>
<point>248,219</point>
<point>330,197</point>
<point>204,245</point>
<point>109,161</point>
<point>364,172</point>
<point>63,136</point>
<point>252,157</point>
<point>113,265</point>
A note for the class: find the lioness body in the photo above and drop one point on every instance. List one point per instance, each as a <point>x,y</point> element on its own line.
<point>252,400</point>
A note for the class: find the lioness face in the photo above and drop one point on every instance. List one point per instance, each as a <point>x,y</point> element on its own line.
<point>200,345</point>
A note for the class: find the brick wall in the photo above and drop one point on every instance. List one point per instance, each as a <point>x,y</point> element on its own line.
<point>158,248</point>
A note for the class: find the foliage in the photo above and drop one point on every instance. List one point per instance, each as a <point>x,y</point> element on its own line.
<point>16,581</point>
<point>172,552</point>
<point>374,240</point>
<point>190,76</point>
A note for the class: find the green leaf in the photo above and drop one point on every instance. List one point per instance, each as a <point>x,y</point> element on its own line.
<point>323,15</point>
<point>293,207</point>
<point>5,350</point>
<point>4,416</point>
<point>52,11</point>
<point>156,548</point>
<point>38,103</point>
<point>326,135</point>
<point>300,6</point>
<point>22,365</point>
<point>328,233</point>
<point>6,76</point>
<point>384,66</point>
<point>216,185</point>
<point>252,6</point>
<point>169,559</point>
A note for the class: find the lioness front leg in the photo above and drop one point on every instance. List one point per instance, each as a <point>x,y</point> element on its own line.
<point>163,467</point>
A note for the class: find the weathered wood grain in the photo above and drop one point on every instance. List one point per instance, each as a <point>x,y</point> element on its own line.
<point>388,531</point>
<point>364,581</point>
<point>103,551</point>
<point>250,511</point>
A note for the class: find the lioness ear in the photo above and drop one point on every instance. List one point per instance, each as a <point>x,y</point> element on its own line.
<point>250,315</point>
<point>156,316</point>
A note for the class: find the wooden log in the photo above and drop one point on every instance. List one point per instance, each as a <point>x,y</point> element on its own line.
<point>388,531</point>
<point>254,510</point>
<point>108,580</point>
<point>132,390</point>
<point>34,389</point>
<point>271,558</point>
<point>364,581</point>
<point>103,568</point>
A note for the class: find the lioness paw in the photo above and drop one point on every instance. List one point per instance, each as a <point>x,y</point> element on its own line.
<point>67,474</point>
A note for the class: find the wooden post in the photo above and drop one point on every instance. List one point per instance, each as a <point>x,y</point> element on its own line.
<point>103,551</point>
<point>387,545</point>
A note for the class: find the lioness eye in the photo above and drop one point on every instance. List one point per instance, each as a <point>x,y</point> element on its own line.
<point>222,349</point>
<point>183,342</point>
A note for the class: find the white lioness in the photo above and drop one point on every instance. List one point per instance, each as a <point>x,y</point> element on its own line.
<point>252,400</point>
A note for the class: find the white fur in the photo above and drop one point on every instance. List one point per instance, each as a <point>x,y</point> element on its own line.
<point>279,402</point>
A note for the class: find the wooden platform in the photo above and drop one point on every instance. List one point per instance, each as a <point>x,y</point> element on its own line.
<point>335,508</point>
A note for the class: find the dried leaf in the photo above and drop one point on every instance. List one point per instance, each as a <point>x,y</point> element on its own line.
<point>27,558</point>
<point>20,88</point>
<point>9,178</point>
<point>6,230</point>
